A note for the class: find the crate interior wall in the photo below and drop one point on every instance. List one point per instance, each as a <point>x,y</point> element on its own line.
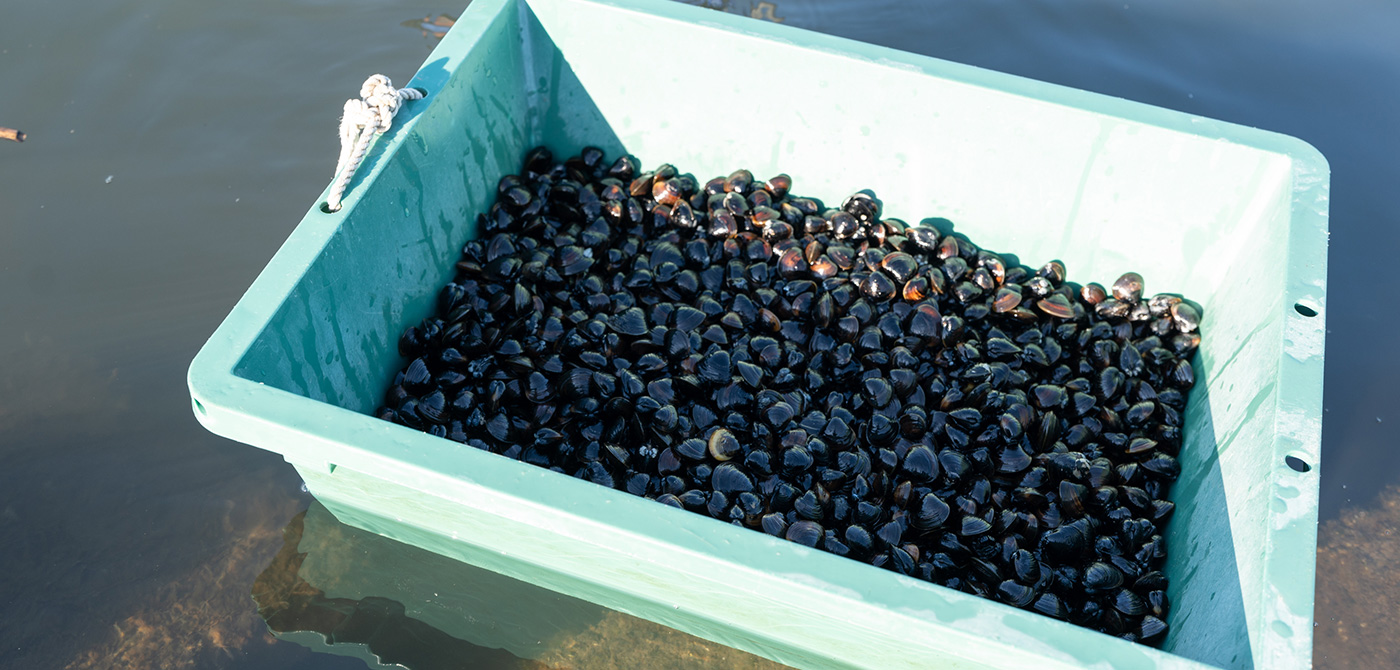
<point>1232,217</point>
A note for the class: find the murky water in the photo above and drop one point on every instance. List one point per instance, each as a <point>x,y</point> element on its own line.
<point>173,145</point>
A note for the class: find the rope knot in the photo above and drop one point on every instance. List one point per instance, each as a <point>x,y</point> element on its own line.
<point>361,122</point>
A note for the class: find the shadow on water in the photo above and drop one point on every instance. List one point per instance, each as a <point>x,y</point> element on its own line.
<point>196,613</point>
<point>291,605</point>
<point>338,589</point>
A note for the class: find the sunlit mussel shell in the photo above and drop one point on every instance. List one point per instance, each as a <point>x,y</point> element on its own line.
<point>916,288</point>
<point>1113,308</point>
<point>878,286</point>
<point>922,239</point>
<point>1007,298</point>
<point>735,204</point>
<point>982,278</point>
<point>859,540</point>
<point>842,256</point>
<point>862,206</point>
<point>739,181</point>
<point>966,292</point>
<point>644,185</point>
<point>921,464</point>
<point>1054,271</point>
<point>1093,293</point>
<point>723,224</point>
<point>682,215</point>
<point>1056,305</point>
<point>1128,288</point>
<point>1181,374</point>
<point>1161,304</point>
<point>900,266</point>
<point>770,221</point>
<point>1140,444</point>
<point>1185,344</point>
<point>1185,316</point>
<point>995,267</point>
<point>778,185</point>
<point>791,265</point>
<point>722,445</point>
<point>948,248</point>
<point>843,225</point>
<point>1140,312</point>
<point>1162,510</point>
<point>815,225</point>
<point>894,230</point>
<point>1040,286</point>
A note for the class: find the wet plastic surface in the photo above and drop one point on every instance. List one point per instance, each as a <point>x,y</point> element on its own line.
<point>1234,217</point>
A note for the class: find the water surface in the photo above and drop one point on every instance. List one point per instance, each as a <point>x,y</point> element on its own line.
<point>173,145</point>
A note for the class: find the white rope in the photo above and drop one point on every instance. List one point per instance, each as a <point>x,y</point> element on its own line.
<point>364,119</point>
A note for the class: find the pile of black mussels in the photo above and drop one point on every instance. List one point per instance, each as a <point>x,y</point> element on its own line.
<point>888,393</point>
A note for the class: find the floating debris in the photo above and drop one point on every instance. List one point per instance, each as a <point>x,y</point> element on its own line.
<point>434,27</point>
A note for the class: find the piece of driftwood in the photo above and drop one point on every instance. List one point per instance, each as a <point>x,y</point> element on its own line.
<point>11,134</point>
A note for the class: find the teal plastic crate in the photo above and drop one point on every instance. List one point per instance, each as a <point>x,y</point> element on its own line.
<point>1233,217</point>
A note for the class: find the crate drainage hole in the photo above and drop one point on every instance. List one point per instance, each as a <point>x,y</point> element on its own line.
<point>199,407</point>
<point>1297,464</point>
<point>1303,309</point>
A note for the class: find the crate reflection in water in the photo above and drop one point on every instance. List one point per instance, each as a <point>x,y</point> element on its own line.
<point>337,589</point>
